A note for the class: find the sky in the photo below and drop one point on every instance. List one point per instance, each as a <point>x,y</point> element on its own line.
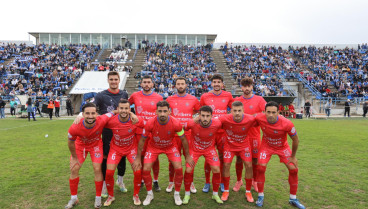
<point>257,21</point>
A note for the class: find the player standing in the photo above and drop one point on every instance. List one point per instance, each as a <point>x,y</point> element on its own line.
<point>145,106</point>
<point>162,129</point>
<point>183,106</point>
<point>253,104</point>
<point>275,129</point>
<point>123,144</point>
<point>219,101</point>
<point>85,138</point>
<point>236,126</point>
<point>203,144</point>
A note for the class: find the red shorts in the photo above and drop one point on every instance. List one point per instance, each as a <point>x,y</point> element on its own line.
<point>115,156</point>
<point>255,143</point>
<point>245,154</point>
<point>96,152</point>
<point>220,142</point>
<point>172,154</point>
<point>266,152</point>
<point>210,156</point>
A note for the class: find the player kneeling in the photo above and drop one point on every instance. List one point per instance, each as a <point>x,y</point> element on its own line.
<point>203,144</point>
<point>123,143</point>
<point>275,129</point>
<point>85,138</point>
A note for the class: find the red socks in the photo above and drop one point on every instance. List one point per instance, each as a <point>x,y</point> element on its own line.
<point>109,179</point>
<point>239,170</point>
<point>207,172</point>
<point>98,185</point>
<point>156,169</point>
<point>178,179</point>
<point>137,181</point>
<point>73,185</point>
<point>248,184</point>
<point>261,178</point>
<point>216,178</point>
<point>171,172</point>
<point>226,183</point>
<point>147,179</point>
<point>188,179</point>
<point>293,181</point>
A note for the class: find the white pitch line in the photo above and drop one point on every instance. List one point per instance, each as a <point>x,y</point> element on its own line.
<point>34,124</point>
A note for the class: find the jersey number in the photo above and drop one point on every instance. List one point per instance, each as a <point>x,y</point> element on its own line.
<point>262,156</point>
<point>227,154</point>
<point>148,155</point>
<point>113,156</point>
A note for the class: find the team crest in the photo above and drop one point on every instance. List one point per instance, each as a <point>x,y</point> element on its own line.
<point>97,155</point>
<point>177,154</point>
<point>223,101</point>
<point>250,107</point>
<point>187,104</point>
<point>130,130</point>
<point>133,157</point>
<point>169,132</point>
<point>247,154</point>
<point>97,132</point>
<point>243,129</point>
<point>152,103</point>
<point>215,158</point>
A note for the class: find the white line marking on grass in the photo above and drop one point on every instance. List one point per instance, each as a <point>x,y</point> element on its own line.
<point>34,124</point>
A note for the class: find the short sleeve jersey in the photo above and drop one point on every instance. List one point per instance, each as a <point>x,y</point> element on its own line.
<point>162,135</point>
<point>218,103</point>
<point>145,105</point>
<point>182,107</point>
<point>88,137</point>
<point>237,132</point>
<point>203,138</point>
<point>106,101</point>
<point>123,133</point>
<point>275,135</point>
<point>252,106</point>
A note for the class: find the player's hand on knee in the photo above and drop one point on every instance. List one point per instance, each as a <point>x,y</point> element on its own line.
<point>190,161</point>
<point>294,161</point>
<point>137,165</point>
<point>77,119</point>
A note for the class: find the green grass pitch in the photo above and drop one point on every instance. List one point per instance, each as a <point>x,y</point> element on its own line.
<point>333,169</point>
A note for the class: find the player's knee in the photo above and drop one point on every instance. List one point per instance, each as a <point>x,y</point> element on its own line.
<point>216,169</point>
<point>291,166</point>
<point>188,170</point>
<point>227,166</point>
<point>248,165</point>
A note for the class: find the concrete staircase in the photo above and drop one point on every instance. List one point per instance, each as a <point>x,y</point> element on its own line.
<point>132,84</point>
<point>223,69</point>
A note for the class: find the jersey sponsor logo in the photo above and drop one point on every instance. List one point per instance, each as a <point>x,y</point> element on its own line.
<point>96,149</point>
<point>156,138</point>
<point>139,109</point>
<point>255,143</point>
<point>175,111</point>
<point>293,130</point>
<point>286,153</point>
<point>229,132</point>
<point>97,155</point>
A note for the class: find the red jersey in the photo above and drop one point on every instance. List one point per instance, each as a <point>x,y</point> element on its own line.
<point>123,138</point>
<point>218,103</point>
<point>88,137</point>
<point>145,105</point>
<point>253,105</point>
<point>57,103</point>
<point>236,132</point>
<point>182,107</point>
<point>203,138</point>
<point>162,135</point>
<point>275,134</point>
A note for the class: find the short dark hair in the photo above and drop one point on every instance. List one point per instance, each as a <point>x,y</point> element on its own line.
<point>146,77</point>
<point>89,104</point>
<point>246,81</point>
<point>272,104</point>
<point>180,78</point>
<point>124,101</point>
<point>217,76</point>
<point>206,109</point>
<point>163,103</point>
<point>113,73</point>
<point>237,104</point>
